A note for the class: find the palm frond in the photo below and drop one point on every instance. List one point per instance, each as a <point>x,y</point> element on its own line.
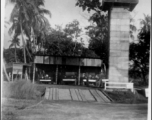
<point>12,1</point>
<point>44,11</point>
<point>11,45</point>
<point>11,29</point>
<point>39,2</point>
<point>33,4</point>
<point>14,13</point>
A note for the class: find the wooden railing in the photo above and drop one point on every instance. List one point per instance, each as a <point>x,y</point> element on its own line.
<point>119,85</point>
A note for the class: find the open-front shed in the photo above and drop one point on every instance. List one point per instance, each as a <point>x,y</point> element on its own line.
<point>64,69</point>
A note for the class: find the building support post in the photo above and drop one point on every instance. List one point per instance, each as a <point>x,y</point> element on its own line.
<point>34,73</point>
<point>56,77</point>
<point>119,27</point>
<point>79,72</point>
<point>12,76</point>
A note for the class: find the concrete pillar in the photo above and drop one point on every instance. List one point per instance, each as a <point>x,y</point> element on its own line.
<point>119,44</point>
<point>119,26</point>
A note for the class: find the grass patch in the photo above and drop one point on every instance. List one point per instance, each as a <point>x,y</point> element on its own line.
<point>8,115</point>
<point>126,97</point>
<point>23,89</point>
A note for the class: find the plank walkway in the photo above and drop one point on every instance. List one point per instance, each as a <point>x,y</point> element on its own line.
<point>85,95</point>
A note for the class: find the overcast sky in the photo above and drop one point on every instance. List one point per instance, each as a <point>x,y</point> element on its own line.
<point>65,11</point>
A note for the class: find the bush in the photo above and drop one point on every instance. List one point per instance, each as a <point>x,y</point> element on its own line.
<point>23,89</point>
<point>126,97</point>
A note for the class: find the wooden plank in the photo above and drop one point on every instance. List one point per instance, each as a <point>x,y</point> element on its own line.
<point>64,94</point>
<point>103,96</point>
<point>46,93</point>
<point>117,87</point>
<point>50,94</point>
<point>69,80</point>
<point>96,95</point>
<point>74,95</point>
<point>56,94</point>
<point>82,96</point>
<point>78,94</point>
<point>88,95</point>
<point>53,93</point>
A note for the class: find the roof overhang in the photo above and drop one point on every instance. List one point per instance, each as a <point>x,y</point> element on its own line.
<point>106,4</point>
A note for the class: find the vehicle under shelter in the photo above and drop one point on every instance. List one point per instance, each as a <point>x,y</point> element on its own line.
<point>65,69</point>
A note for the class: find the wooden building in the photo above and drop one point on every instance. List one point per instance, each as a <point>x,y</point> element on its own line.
<point>19,71</point>
<point>59,69</point>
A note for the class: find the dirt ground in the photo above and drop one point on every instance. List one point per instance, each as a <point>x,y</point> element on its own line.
<point>13,109</point>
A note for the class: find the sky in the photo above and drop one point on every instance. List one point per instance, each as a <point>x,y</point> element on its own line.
<point>65,11</point>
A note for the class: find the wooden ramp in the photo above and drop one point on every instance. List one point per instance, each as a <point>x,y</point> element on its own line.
<point>86,95</point>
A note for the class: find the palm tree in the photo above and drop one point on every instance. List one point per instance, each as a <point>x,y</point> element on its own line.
<point>14,43</point>
<point>132,28</point>
<point>28,19</point>
<point>146,23</point>
<point>19,17</point>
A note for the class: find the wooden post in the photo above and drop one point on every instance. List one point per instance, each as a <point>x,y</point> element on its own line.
<point>12,76</point>
<point>34,73</point>
<point>4,68</point>
<point>105,85</point>
<point>56,78</point>
<point>79,72</point>
<point>22,76</point>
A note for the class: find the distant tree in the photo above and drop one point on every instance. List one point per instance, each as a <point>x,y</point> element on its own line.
<point>89,5</point>
<point>73,30</point>
<point>9,56</point>
<point>89,53</point>
<point>139,52</point>
<point>61,41</point>
<point>98,31</point>
<point>98,34</point>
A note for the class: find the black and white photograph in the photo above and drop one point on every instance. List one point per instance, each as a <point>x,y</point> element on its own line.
<point>76,59</point>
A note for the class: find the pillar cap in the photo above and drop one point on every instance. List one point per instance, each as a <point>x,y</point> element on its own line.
<point>106,4</point>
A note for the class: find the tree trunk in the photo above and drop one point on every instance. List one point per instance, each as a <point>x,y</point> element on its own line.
<point>23,43</point>
<point>143,76</point>
<point>34,39</point>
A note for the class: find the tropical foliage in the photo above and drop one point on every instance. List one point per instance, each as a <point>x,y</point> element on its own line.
<point>64,42</point>
<point>98,30</point>
<point>9,56</point>
<point>98,33</point>
<point>140,51</point>
<point>28,20</point>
